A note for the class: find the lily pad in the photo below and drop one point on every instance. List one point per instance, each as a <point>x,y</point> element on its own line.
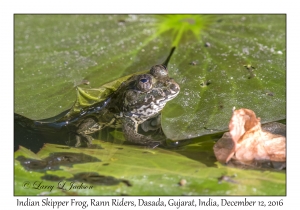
<point>221,61</point>
<point>133,170</point>
<point>214,76</point>
<point>55,53</point>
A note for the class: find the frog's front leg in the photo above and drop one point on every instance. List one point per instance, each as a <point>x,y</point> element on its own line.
<point>80,136</point>
<point>152,124</point>
<point>88,126</point>
<point>130,129</point>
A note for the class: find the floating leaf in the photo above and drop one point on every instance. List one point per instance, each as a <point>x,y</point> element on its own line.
<point>238,61</point>
<point>55,53</point>
<point>135,170</point>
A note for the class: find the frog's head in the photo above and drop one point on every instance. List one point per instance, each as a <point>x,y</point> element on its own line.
<point>150,93</point>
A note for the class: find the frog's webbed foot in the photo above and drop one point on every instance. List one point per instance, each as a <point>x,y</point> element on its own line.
<point>130,128</point>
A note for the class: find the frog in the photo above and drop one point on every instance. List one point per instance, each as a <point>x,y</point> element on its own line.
<point>134,107</point>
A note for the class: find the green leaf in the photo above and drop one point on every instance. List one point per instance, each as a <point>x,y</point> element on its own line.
<point>55,53</point>
<point>114,169</point>
<point>213,77</point>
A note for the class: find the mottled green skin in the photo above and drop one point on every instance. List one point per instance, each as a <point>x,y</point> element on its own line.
<point>137,102</point>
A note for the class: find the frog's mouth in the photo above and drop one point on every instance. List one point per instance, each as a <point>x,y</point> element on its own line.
<point>172,91</point>
<point>163,101</point>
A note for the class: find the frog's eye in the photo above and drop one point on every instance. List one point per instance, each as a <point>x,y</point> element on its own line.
<point>159,71</point>
<point>144,80</point>
<point>144,83</point>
